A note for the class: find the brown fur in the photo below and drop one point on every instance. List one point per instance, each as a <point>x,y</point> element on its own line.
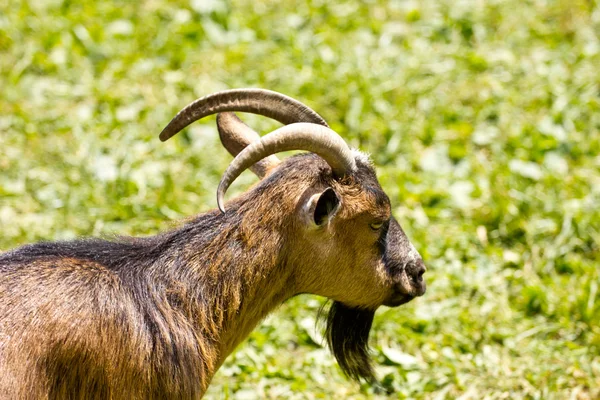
<point>155,317</point>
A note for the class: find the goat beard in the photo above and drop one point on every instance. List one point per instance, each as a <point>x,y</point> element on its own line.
<point>347,334</point>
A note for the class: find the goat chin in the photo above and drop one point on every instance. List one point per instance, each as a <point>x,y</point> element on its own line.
<point>398,300</point>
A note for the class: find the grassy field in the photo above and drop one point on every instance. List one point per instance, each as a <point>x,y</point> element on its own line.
<point>482,117</point>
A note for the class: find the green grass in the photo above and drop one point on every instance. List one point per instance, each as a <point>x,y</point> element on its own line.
<point>482,117</point>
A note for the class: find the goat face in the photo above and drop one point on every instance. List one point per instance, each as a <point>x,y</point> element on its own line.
<point>352,250</point>
<point>346,246</point>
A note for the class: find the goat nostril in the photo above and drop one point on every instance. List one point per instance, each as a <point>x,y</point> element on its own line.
<point>417,276</point>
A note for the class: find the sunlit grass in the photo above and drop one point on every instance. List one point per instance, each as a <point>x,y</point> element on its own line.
<point>483,119</point>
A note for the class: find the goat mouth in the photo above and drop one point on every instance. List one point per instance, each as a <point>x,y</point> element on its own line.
<point>397,299</point>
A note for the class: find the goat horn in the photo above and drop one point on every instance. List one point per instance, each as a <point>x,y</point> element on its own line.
<point>257,101</point>
<point>236,135</point>
<point>298,136</point>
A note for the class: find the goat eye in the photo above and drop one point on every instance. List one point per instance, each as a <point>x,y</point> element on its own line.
<point>376,225</point>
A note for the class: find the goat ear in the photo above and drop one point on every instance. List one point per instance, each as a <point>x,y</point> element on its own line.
<point>323,206</point>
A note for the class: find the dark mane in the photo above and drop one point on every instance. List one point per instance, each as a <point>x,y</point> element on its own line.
<point>112,252</point>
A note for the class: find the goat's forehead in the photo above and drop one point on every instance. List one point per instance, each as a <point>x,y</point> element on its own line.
<point>375,200</point>
<point>363,182</point>
<point>365,189</point>
<point>366,177</point>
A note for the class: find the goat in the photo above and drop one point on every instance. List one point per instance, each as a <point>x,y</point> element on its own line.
<point>155,317</point>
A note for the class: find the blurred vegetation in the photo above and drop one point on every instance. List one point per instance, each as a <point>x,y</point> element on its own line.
<point>483,119</point>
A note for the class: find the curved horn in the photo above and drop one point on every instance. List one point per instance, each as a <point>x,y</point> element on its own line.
<point>299,136</point>
<point>257,101</point>
<point>236,135</point>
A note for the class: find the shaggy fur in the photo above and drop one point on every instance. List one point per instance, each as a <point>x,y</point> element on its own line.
<point>154,318</point>
<point>347,334</point>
